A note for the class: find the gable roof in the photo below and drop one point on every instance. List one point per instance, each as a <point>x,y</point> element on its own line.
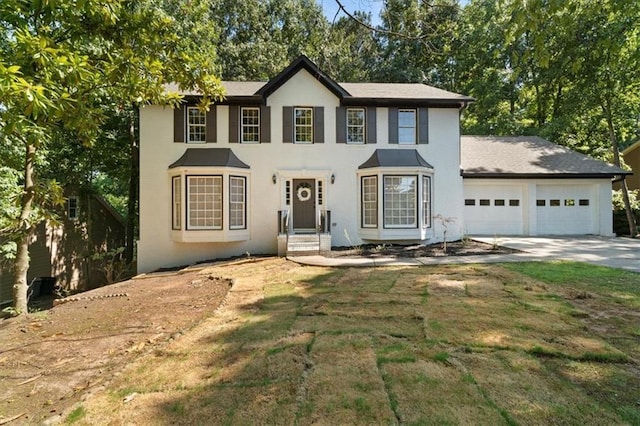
<point>528,157</point>
<point>302,62</point>
<point>395,158</point>
<point>209,157</point>
<point>349,93</point>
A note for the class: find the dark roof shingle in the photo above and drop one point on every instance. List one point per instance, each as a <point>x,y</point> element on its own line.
<point>527,156</point>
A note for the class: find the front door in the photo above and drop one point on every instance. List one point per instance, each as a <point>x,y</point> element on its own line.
<point>304,205</point>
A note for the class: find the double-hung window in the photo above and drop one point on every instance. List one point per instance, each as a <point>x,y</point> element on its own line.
<point>400,201</point>
<point>407,126</point>
<point>237,202</point>
<point>355,125</point>
<point>426,201</point>
<point>176,222</point>
<point>196,125</point>
<point>370,202</point>
<point>303,125</point>
<point>72,208</point>
<point>250,118</point>
<point>204,196</point>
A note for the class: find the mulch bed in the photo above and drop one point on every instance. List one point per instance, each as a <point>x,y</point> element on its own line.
<point>454,248</point>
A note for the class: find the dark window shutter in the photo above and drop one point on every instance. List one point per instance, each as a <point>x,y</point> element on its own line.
<point>371,125</point>
<point>423,125</point>
<point>287,124</point>
<point>393,125</point>
<point>265,124</point>
<point>178,124</point>
<point>234,126</point>
<point>318,125</point>
<point>211,131</point>
<point>341,125</point>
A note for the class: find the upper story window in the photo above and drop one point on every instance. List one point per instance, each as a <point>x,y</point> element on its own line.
<point>407,126</point>
<point>303,126</point>
<point>250,119</point>
<point>72,207</point>
<point>193,125</point>
<point>196,125</point>
<point>355,125</point>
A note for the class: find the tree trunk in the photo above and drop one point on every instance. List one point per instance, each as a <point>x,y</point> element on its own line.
<point>633,229</point>
<point>133,195</point>
<point>21,266</point>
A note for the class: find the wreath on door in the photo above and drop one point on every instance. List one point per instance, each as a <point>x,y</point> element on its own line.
<point>304,192</point>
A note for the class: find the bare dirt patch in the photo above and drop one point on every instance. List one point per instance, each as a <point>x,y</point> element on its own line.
<point>54,358</point>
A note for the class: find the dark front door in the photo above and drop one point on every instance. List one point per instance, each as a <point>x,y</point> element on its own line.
<point>304,204</point>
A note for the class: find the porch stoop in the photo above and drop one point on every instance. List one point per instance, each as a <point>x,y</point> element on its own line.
<point>304,245</point>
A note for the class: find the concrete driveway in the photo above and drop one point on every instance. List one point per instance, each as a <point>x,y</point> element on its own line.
<point>621,253</point>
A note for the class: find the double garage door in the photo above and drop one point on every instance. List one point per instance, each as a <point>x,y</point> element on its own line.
<point>508,210</point>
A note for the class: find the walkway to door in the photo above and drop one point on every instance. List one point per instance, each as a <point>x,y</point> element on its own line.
<point>623,253</point>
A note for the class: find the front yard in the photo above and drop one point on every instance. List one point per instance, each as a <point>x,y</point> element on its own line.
<point>531,343</point>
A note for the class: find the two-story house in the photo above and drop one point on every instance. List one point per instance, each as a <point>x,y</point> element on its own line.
<point>300,161</point>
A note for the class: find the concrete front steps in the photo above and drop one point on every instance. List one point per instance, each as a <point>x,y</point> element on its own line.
<point>304,244</point>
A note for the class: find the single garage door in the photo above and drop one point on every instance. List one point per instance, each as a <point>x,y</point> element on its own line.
<point>493,209</point>
<point>565,209</point>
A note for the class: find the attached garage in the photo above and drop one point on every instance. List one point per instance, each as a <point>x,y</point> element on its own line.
<point>493,209</point>
<point>565,209</point>
<point>530,186</point>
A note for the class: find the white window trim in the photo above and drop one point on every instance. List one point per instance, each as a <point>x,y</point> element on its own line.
<point>426,201</point>
<point>176,202</point>
<point>296,125</point>
<point>191,125</point>
<point>243,125</point>
<point>373,202</point>
<point>414,127</point>
<point>385,219</point>
<point>214,209</point>
<point>73,212</point>
<point>356,126</point>
<point>242,203</point>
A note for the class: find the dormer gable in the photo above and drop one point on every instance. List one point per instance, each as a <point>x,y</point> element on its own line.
<point>302,62</point>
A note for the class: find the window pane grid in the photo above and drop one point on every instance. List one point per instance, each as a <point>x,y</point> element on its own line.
<point>177,203</point>
<point>250,125</point>
<point>303,125</point>
<point>370,202</point>
<point>355,125</point>
<point>196,125</point>
<point>237,202</point>
<point>400,201</point>
<point>426,201</point>
<point>205,202</point>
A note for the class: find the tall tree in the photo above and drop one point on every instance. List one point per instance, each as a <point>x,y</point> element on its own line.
<point>258,38</point>
<point>62,61</point>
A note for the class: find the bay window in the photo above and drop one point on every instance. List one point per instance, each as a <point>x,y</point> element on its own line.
<point>204,202</point>
<point>400,201</point>
<point>237,202</point>
<point>369,201</point>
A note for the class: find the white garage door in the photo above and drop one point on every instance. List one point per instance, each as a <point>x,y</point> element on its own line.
<point>565,209</point>
<point>493,210</point>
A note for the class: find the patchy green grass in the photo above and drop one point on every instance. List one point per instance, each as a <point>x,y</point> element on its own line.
<point>476,344</point>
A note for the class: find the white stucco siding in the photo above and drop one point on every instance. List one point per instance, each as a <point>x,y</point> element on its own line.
<point>443,153</point>
<point>286,161</point>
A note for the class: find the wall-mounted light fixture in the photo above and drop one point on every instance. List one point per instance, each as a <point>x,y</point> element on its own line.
<point>274,178</point>
<point>333,178</point>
